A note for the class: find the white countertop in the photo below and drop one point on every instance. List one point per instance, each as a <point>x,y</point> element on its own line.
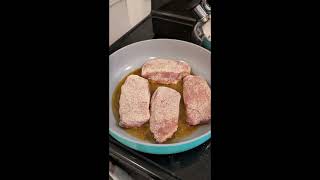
<point>125,14</point>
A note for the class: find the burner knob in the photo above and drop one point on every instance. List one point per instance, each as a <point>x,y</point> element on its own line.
<point>206,6</point>
<point>201,13</point>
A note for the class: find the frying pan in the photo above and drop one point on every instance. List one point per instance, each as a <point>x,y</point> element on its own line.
<point>133,56</point>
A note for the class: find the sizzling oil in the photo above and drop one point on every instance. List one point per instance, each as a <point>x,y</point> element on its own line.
<point>144,132</point>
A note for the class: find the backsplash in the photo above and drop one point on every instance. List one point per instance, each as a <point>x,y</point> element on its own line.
<point>124,15</point>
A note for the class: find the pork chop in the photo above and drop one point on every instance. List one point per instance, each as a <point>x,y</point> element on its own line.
<point>165,71</point>
<point>197,99</point>
<point>164,113</point>
<point>134,102</point>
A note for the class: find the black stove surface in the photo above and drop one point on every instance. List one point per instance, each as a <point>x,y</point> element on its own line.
<point>192,164</point>
<point>160,24</point>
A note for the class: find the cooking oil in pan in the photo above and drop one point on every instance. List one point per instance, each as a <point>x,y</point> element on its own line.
<point>143,132</point>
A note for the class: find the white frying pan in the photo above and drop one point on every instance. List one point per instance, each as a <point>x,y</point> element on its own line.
<point>132,57</point>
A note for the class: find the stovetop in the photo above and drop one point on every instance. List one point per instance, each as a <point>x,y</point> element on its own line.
<point>159,24</point>
<point>192,164</point>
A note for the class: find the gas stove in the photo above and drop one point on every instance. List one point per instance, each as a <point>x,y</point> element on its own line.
<point>165,22</point>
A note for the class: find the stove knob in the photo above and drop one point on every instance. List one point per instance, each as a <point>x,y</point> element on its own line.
<point>206,6</point>
<point>201,13</point>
